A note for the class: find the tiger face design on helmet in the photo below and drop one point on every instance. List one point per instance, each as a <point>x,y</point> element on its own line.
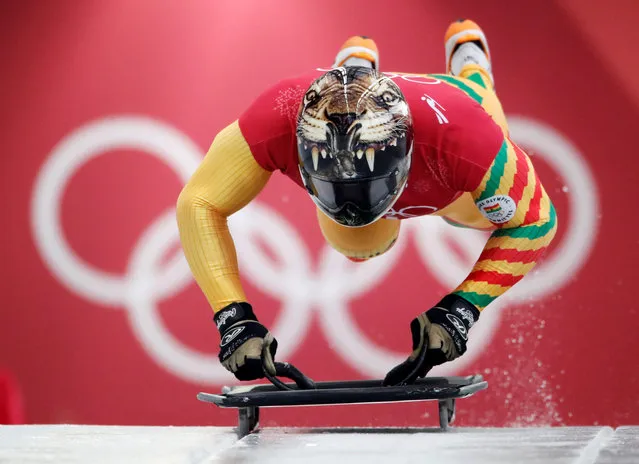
<point>354,140</point>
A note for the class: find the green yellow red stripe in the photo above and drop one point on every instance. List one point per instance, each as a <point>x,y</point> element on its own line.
<point>521,244</point>
<point>523,205</point>
<point>508,256</point>
<point>530,231</point>
<point>494,175</point>
<point>477,78</point>
<point>511,255</point>
<point>515,268</point>
<point>521,179</point>
<point>461,85</point>
<point>535,204</point>
<point>512,250</point>
<point>510,171</point>
<point>494,277</point>
<point>480,300</point>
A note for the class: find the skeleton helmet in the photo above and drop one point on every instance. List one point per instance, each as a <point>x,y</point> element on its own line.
<point>354,141</point>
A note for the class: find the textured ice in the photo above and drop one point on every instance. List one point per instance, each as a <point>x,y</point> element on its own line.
<point>623,447</point>
<point>97,444</point>
<point>495,446</point>
<point>193,445</point>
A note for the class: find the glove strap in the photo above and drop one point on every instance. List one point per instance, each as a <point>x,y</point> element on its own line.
<point>456,315</point>
<point>235,312</point>
<point>461,308</point>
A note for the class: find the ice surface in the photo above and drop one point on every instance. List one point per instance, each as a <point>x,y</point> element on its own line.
<point>96,444</point>
<point>142,445</point>
<point>548,445</point>
<point>623,447</point>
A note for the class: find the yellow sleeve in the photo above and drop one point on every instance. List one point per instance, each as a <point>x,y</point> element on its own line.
<point>226,181</point>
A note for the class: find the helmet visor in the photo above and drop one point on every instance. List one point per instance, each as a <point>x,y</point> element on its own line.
<point>367,195</point>
<point>357,203</point>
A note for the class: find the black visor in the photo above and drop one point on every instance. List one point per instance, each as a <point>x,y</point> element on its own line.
<point>367,195</point>
<point>355,203</point>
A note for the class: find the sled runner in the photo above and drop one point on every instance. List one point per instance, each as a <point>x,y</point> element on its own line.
<point>304,392</point>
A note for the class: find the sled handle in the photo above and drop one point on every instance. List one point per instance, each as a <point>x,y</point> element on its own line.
<point>284,369</point>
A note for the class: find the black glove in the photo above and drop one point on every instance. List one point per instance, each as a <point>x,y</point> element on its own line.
<point>439,335</point>
<point>244,341</point>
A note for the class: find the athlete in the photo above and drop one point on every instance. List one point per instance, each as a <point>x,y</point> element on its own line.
<point>372,149</point>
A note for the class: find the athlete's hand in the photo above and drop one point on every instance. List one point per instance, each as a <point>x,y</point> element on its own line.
<point>439,335</point>
<point>242,341</point>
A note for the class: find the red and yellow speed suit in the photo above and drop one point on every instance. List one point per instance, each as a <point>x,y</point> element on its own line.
<point>464,168</point>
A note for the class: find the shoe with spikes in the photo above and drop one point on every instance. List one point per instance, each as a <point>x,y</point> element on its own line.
<point>465,43</point>
<point>358,51</point>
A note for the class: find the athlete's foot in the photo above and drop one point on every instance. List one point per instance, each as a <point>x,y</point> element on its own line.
<point>358,51</point>
<point>466,47</point>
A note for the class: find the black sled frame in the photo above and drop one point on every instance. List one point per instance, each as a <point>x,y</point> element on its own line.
<point>305,392</point>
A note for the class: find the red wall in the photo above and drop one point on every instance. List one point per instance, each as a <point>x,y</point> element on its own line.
<point>108,106</point>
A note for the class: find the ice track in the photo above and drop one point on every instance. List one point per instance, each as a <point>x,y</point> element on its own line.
<point>194,445</point>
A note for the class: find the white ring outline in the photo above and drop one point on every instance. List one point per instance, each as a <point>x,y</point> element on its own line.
<point>83,144</point>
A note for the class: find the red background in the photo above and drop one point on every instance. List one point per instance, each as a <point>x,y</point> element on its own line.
<point>566,359</point>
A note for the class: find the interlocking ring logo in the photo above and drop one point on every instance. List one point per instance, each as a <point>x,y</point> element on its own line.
<point>301,289</point>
